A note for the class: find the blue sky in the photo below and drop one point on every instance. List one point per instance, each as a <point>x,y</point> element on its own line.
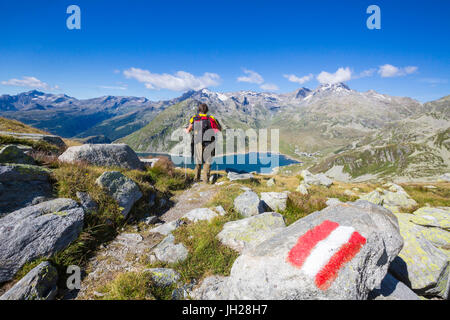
<point>160,48</point>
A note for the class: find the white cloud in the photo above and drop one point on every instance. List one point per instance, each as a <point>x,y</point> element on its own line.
<point>252,77</point>
<point>341,75</point>
<point>302,80</point>
<point>29,82</point>
<point>269,87</point>
<point>365,73</point>
<point>389,71</point>
<point>180,81</point>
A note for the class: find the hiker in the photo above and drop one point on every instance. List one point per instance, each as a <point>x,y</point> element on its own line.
<point>203,140</point>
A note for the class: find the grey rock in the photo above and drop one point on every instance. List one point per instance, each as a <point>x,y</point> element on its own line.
<point>275,201</point>
<point>11,154</point>
<point>270,182</point>
<point>38,200</point>
<point>108,155</point>
<point>302,188</point>
<point>124,190</point>
<point>20,184</point>
<point>200,214</point>
<point>245,233</point>
<point>38,284</point>
<point>248,204</point>
<point>54,140</point>
<point>37,231</point>
<point>233,176</point>
<point>150,220</point>
<point>264,272</point>
<point>168,227</point>
<point>420,264</point>
<point>168,251</point>
<point>86,201</point>
<point>183,292</point>
<point>212,288</point>
<point>445,177</point>
<point>220,210</point>
<point>392,289</point>
<point>316,179</point>
<point>163,277</point>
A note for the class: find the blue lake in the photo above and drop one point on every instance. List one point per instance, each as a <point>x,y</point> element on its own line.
<point>249,162</point>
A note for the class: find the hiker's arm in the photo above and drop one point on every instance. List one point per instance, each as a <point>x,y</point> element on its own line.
<point>189,129</point>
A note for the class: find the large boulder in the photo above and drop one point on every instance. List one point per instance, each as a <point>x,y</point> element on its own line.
<point>168,251</point>
<point>37,231</point>
<point>275,201</point>
<point>51,139</point>
<point>124,190</point>
<point>340,252</point>
<point>248,232</point>
<point>20,184</point>
<point>316,179</point>
<point>421,264</point>
<point>233,176</point>
<point>248,204</point>
<point>12,154</point>
<point>38,284</point>
<point>395,198</point>
<point>109,155</point>
<point>432,217</point>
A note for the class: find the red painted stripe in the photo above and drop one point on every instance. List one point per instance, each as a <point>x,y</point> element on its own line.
<point>346,253</point>
<point>298,254</point>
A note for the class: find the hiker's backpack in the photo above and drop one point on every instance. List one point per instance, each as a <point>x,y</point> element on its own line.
<point>206,121</point>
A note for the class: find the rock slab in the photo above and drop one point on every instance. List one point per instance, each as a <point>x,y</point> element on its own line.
<point>20,184</point>
<point>283,267</point>
<point>38,284</point>
<point>107,155</point>
<point>37,231</point>
<point>245,233</point>
<point>124,190</point>
<point>248,204</point>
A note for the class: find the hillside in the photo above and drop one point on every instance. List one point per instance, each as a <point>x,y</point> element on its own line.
<point>10,125</point>
<point>357,135</point>
<point>68,117</point>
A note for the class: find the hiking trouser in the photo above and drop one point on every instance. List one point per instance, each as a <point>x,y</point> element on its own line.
<point>201,158</point>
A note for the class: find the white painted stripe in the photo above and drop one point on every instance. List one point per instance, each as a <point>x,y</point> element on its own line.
<point>325,249</point>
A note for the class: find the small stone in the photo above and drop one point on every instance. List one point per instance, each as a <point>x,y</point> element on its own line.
<point>168,227</point>
<point>168,251</point>
<point>200,214</point>
<point>270,182</point>
<point>248,204</point>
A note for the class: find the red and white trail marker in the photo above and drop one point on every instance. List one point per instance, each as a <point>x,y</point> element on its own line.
<point>322,251</point>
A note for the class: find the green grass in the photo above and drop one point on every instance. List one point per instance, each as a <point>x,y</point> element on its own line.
<point>36,145</point>
<point>439,197</point>
<point>129,286</point>
<point>11,125</point>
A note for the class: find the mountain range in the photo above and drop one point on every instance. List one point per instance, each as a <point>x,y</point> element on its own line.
<point>333,128</point>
